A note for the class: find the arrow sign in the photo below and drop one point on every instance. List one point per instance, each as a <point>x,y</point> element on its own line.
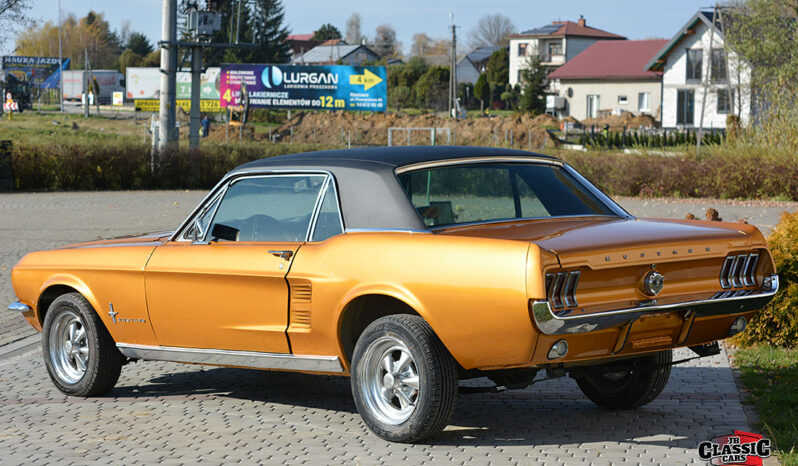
<point>367,79</point>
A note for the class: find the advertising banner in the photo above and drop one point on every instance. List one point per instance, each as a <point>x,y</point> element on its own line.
<point>42,72</point>
<point>154,105</point>
<point>332,87</point>
<point>145,83</point>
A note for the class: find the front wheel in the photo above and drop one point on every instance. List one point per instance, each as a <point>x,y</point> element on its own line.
<point>404,381</point>
<point>79,353</point>
<point>625,386</point>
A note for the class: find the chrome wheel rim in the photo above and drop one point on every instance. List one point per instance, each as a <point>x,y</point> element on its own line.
<point>69,347</point>
<point>389,380</point>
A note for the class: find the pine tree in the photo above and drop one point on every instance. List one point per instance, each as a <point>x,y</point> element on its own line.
<point>260,24</point>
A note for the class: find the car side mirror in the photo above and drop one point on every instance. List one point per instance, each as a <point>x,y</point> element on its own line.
<point>195,229</point>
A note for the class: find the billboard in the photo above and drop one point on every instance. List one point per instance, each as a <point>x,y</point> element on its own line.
<point>145,83</point>
<point>333,87</point>
<point>42,72</point>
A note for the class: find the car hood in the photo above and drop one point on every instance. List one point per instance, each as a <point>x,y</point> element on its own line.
<point>608,241</point>
<point>132,240</point>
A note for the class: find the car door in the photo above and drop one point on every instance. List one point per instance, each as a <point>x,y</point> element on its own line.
<point>221,284</point>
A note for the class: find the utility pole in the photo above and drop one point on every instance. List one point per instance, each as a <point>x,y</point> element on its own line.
<point>452,68</point>
<point>86,78</point>
<point>194,120</point>
<point>166,123</point>
<point>705,86</point>
<point>60,60</point>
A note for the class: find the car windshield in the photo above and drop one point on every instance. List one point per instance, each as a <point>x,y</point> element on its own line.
<point>450,195</point>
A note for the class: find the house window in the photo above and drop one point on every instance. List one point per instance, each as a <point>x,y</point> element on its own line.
<point>522,49</point>
<point>555,48</point>
<point>622,100</point>
<point>642,102</point>
<point>685,103</point>
<point>694,58</point>
<point>724,100</point>
<point>592,105</point>
<point>718,65</point>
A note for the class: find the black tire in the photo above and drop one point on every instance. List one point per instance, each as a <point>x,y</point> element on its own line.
<point>102,363</point>
<point>625,388</point>
<point>431,365</point>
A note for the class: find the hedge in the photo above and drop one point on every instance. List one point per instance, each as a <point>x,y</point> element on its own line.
<point>777,324</point>
<point>71,167</point>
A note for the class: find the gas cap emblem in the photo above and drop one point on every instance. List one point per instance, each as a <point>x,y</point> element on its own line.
<point>653,283</point>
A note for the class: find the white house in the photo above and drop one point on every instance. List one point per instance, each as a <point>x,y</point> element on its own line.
<point>702,81</point>
<point>554,43</point>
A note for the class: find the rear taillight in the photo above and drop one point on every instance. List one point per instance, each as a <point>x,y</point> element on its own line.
<point>561,289</point>
<point>739,270</point>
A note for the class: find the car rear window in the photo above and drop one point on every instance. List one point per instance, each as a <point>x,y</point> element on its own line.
<point>455,194</point>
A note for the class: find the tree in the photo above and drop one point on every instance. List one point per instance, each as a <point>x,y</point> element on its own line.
<point>12,17</point>
<point>482,91</point>
<point>498,73</point>
<point>91,33</point>
<point>424,46</point>
<point>492,29</point>
<point>432,88</point>
<point>262,23</point>
<point>533,94</point>
<point>326,32</point>
<point>385,43</point>
<point>138,44</point>
<point>353,34</point>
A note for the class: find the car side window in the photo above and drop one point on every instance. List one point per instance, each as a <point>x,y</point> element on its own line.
<point>203,220</point>
<point>267,208</point>
<point>328,222</point>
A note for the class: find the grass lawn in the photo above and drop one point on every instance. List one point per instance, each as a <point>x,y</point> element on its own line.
<point>770,376</point>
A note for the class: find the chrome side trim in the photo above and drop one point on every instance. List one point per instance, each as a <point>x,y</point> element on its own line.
<point>551,324</point>
<point>384,230</point>
<point>517,219</point>
<point>469,160</point>
<point>18,307</point>
<point>218,357</point>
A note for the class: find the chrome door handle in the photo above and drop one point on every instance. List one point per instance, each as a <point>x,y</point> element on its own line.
<point>285,255</point>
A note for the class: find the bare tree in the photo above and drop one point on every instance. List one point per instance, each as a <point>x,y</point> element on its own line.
<point>424,46</point>
<point>12,17</point>
<point>492,29</point>
<point>353,34</point>
<point>385,43</point>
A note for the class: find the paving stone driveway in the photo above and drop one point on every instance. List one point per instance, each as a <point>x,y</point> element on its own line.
<point>170,413</point>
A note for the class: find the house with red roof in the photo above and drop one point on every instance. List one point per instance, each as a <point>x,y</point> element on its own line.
<point>555,44</point>
<point>609,77</point>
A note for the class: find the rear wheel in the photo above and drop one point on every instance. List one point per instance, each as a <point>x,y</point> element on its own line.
<point>79,353</point>
<point>625,387</point>
<point>404,381</point>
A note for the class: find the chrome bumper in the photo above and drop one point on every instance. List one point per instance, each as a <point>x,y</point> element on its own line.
<point>18,307</point>
<point>722,303</point>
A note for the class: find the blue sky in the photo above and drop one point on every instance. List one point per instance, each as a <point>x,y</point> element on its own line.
<point>634,19</point>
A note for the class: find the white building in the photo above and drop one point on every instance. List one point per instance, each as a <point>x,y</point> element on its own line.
<point>702,81</point>
<point>610,76</point>
<point>554,43</point>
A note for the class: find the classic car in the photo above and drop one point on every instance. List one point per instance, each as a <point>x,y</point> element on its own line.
<point>407,269</point>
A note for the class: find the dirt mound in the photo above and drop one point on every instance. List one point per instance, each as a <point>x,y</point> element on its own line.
<point>522,131</point>
<point>619,122</point>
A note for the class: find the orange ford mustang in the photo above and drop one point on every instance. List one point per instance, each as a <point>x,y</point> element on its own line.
<point>407,269</point>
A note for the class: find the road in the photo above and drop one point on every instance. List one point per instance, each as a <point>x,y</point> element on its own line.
<point>169,413</point>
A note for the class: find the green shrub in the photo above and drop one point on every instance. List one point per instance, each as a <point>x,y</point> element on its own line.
<point>777,324</point>
<point>101,166</point>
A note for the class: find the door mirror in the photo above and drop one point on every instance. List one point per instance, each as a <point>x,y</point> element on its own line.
<point>196,233</point>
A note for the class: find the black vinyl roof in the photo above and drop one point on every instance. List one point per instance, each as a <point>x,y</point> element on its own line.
<point>369,193</point>
<point>395,156</point>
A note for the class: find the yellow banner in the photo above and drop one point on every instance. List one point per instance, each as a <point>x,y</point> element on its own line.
<point>154,105</point>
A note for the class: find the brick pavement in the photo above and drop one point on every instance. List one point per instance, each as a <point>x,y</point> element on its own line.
<point>170,413</point>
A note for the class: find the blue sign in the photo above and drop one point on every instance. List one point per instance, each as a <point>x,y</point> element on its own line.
<point>43,72</point>
<point>331,87</point>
